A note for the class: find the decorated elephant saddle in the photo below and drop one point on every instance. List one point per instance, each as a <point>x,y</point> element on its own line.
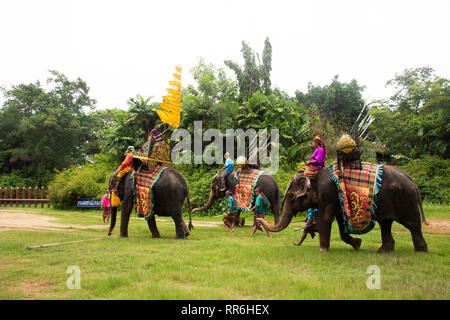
<point>358,189</point>
<point>152,153</point>
<point>143,182</point>
<point>246,178</point>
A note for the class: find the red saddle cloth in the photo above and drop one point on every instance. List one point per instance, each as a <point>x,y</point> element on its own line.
<point>357,194</point>
<point>144,182</point>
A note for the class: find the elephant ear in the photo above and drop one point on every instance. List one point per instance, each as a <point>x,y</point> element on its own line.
<point>304,185</point>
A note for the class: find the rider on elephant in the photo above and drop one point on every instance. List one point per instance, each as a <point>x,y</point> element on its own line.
<point>125,167</point>
<point>154,136</point>
<point>317,160</point>
<point>227,169</point>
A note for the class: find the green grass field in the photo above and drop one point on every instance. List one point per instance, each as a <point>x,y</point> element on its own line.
<point>215,264</point>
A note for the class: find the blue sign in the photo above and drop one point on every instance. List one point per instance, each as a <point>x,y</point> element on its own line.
<point>88,203</point>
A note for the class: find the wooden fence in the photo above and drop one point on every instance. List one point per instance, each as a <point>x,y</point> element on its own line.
<point>15,196</point>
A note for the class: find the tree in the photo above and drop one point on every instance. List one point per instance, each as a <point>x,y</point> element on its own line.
<point>213,101</point>
<point>253,76</point>
<point>338,103</point>
<point>415,122</point>
<point>141,113</point>
<point>46,130</point>
<point>413,86</point>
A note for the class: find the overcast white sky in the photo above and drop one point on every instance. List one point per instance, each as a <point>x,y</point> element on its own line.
<point>124,48</point>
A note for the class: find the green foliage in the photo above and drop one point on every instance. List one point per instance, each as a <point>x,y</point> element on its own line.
<point>213,101</point>
<point>432,176</point>
<point>87,181</point>
<point>415,122</point>
<point>15,180</point>
<point>339,102</point>
<point>45,130</point>
<point>253,76</point>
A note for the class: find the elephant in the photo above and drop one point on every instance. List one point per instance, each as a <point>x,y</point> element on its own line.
<point>266,183</point>
<point>169,194</point>
<point>398,200</point>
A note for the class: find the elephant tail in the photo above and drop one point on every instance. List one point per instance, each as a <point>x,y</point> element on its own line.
<point>191,226</point>
<point>419,199</point>
<point>420,205</point>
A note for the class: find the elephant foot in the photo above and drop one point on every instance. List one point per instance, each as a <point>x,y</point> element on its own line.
<point>156,236</point>
<point>421,249</point>
<point>109,234</point>
<point>123,236</point>
<point>385,248</point>
<point>323,249</point>
<point>356,244</point>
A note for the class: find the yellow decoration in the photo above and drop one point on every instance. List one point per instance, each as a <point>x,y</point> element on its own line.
<point>170,107</point>
<point>346,144</point>
<point>115,200</point>
<point>174,92</point>
<point>173,100</point>
<point>168,117</point>
<point>176,84</point>
<point>170,111</point>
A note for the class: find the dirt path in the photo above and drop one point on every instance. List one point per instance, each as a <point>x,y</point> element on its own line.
<point>17,220</point>
<point>437,225</point>
<point>23,220</point>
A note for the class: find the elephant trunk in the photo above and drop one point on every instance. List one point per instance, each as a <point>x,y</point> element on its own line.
<point>208,205</point>
<point>112,220</point>
<point>286,218</point>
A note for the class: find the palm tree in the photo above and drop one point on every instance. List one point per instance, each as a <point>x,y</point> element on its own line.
<point>142,113</point>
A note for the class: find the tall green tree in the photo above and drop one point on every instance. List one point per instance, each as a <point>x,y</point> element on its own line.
<point>212,100</point>
<point>253,76</point>
<point>415,122</point>
<point>45,129</point>
<point>339,103</point>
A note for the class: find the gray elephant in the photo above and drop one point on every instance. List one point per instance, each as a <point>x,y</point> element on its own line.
<point>398,200</point>
<point>266,183</point>
<point>169,194</point>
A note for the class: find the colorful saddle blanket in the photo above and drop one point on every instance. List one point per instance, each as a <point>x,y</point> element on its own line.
<point>245,189</point>
<point>144,182</point>
<point>358,191</point>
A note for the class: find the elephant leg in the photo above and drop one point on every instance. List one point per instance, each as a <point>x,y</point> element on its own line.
<point>416,234</point>
<point>354,242</point>
<point>153,228</point>
<point>180,226</point>
<point>125,219</point>
<point>388,242</point>
<point>325,233</point>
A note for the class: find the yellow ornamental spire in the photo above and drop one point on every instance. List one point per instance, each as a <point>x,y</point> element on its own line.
<point>176,84</point>
<point>170,111</point>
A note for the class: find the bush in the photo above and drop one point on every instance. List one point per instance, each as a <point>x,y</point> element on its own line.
<point>432,176</point>
<point>87,181</point>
